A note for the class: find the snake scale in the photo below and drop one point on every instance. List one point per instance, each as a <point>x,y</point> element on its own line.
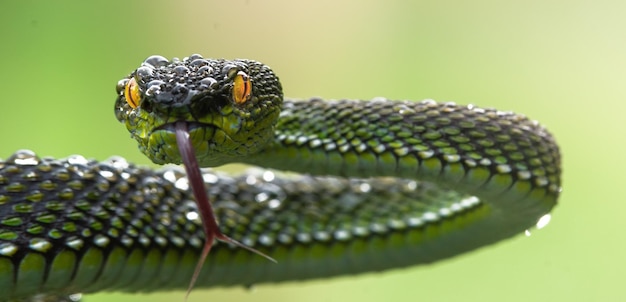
<point>380,184</point>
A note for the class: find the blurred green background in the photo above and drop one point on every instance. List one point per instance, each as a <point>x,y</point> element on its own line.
<point>560,62</point>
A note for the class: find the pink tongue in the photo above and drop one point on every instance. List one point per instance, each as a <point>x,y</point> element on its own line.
<point>209,222</point>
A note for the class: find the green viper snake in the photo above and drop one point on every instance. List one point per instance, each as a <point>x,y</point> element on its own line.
<point>384,184</point>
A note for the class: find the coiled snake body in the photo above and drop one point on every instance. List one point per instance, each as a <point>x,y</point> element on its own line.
<point>398,183</point>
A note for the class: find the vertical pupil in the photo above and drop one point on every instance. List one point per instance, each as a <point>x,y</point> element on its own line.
<point>242,88</point>
<point>131,93</point>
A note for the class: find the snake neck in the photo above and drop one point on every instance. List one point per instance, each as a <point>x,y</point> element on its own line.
<point>439,142</point>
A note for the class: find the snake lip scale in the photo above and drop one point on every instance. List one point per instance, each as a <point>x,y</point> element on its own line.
<point>171,127</point>
<point>374,185</point>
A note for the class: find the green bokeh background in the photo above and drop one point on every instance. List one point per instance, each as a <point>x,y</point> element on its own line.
<point>560,62</point>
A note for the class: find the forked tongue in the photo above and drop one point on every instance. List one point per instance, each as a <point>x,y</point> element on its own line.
<point>209,222</point>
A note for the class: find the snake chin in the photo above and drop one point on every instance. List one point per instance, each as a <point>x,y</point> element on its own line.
<point>213,145</point>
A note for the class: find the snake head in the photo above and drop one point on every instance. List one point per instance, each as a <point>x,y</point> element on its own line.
<point>230,107</point>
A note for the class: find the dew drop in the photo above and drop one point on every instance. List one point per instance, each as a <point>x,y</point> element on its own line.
<point>107,174</point>
<point>156,61</point>
<point>40,245</point>
<point>341,235</point>
<point>143,73</point>
<point>205,70</point>
<point>8,249</point>
<point>170,176</point>
<point>261,197</point>
<point>181,70</point>
<point>117,162</point>
<point>77,160</point>
<point>210,178</point>
<point>274,203</point>
<point>182,184</point>
<point>268,176</point>
<point>208,82</point>
<point>364,187</point>
<point>75,243</point>
<point>199,62</point>
<point>24,158</point>
<point>430,216</point>
<point>191,215</point>
<point>543,221</point>
<point>194,57</point>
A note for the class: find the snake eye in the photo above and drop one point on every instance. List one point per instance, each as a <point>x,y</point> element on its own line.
<point>132,94</point>
<point>242,88</point>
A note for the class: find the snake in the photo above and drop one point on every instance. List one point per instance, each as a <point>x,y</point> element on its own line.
<point>339,187</point>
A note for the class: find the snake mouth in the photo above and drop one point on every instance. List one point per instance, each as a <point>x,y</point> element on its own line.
<point>190,126</point>
<point>210,141</point>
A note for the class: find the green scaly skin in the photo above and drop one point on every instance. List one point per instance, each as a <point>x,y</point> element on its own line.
<point>466,177</point>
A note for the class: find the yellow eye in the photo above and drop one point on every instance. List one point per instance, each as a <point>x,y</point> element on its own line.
<point>131,93</point>
<point>242,88</point>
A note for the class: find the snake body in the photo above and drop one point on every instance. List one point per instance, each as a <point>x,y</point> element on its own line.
<point>398,183</point>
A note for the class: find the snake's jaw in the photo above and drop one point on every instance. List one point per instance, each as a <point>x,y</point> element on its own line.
<point>226,122</point>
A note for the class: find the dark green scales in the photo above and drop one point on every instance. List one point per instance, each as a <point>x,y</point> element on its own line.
<point>463,177</point>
